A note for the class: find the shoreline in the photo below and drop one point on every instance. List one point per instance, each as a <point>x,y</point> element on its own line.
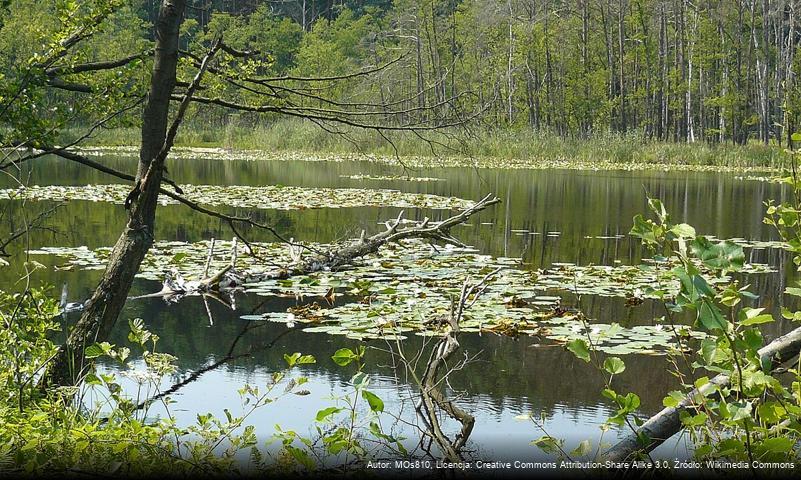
<point>426,162</point>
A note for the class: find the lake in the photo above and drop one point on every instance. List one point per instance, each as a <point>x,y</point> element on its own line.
<point>546,217</point>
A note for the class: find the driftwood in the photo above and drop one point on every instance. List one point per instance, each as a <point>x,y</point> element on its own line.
<point>666,423</point>
<point>335,258</point>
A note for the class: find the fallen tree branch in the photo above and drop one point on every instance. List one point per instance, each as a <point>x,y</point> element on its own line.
<point>336,257</point>
<point>341,255</point>
<point>667,423</point>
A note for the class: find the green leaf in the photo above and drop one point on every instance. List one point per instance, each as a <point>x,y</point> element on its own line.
<point>614,365</point>
<point>548,444</point>
<point>291,359</point>
<point>301,457</point>
<point>793,291</point>
<point>360,380</point>
<point>683,230</point>
<point>631,402</point>
<point>777,445</point>
<point>673,399</point>
<point>739,411</point>
<point>93,351</point>
<point>658,208</point>
<point>306,359</point>
<point>771,412</point>
<point>700,382</point>
<point>92,379</point>
<point>730,447</point>
<point>702,286</point>
<point>580,349</point>
<point>609,393</point>
<point>376,404</point>
<point>724,255</point>
<point>752,316</point>
<point>644,229</point>
<point>710,317</point>
<point>327,412</point>
<point>693,420</point>
<point>343,357</point>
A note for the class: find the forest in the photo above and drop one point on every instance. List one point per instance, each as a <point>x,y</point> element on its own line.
<point>707,71</point>
<point>418,238</point>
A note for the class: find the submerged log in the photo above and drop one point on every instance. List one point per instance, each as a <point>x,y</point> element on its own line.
<point>667,423</point>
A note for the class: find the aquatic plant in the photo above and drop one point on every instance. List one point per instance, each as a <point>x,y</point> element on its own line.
<point>403,287</point>
<point>242,196</point>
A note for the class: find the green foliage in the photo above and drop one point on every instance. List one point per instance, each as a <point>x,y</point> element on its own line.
<point>344,356</point>
<point>62,430</point>
<point>508,149</point>
<point>347,431</point>
<point>531,69</point>
<point>26,321</point>
<point>754,417</point>
<point>580,349</point>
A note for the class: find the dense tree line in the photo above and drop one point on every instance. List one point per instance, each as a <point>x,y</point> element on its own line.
<point>680,70</point>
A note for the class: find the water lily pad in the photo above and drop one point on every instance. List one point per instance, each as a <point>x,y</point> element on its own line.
<point>407,289</point>
<point>392,178</point>
<point>242,196</point>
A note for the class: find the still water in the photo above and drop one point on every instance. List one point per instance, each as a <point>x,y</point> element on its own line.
<point>546,217</point>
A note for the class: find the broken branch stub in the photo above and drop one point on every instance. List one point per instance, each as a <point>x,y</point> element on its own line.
<point>431,396</point>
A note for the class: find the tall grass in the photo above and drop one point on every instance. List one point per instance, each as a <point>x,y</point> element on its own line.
<point>526,145</point>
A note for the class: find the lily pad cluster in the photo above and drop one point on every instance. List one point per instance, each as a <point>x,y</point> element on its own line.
<point>392,178</point>
<point>628,281</point>
<point>427,161</point>
<point>189,259</point>
<point>743,242</point>
<point>755,244</point>
<point>409,289</point>
<point>262,197</point>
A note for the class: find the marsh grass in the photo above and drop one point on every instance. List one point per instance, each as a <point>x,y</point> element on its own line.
<point>526,145</point>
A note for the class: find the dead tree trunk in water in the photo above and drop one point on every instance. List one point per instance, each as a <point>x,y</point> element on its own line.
<point>108,299</point>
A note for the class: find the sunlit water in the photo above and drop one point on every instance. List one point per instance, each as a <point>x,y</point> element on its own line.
<point>545,217</point>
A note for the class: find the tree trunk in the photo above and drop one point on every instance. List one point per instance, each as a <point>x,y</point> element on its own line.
<point>663,77</point>
<point>107,302</point>
<point>585,65</point>
<point>621,34</point>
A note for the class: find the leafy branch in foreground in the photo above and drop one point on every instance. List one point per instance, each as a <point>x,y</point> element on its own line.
<point>748,411</point>
<point>349,433</point>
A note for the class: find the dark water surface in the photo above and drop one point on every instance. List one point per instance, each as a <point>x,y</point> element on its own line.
<point>510,376</point>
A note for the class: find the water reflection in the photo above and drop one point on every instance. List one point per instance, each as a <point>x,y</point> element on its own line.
<point>546,217</point>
